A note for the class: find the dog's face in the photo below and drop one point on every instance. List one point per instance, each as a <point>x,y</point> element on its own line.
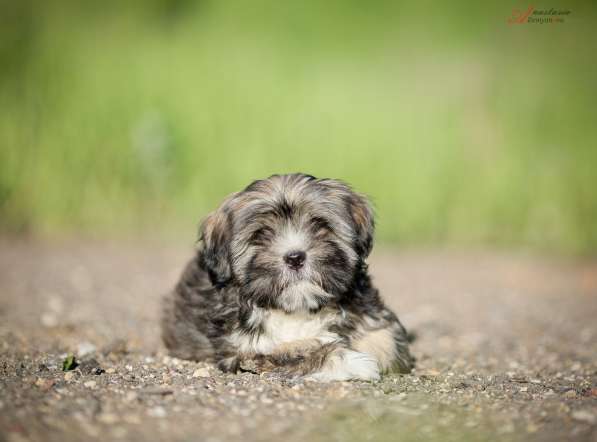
<point>290,241</point>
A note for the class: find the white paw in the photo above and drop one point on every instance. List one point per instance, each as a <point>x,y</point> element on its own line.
<point>345,365</point>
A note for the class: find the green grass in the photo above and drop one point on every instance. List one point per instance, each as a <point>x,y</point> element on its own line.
<point>134,116</point>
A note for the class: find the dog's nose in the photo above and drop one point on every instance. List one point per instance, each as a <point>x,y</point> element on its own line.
<point>295,259</point>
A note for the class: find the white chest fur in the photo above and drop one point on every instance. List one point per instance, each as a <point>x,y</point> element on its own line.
<point>280,328</point>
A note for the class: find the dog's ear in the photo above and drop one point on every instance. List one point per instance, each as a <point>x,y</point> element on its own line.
<point>215,234</point>
<point>361,213</point>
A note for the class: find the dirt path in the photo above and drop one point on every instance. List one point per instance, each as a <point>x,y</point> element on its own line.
<point>506,348</point>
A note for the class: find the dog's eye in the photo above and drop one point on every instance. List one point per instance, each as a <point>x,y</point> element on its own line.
<point>260,235</point>
<point>320,225</point>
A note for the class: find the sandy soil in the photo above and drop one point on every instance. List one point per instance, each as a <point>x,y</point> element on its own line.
<point>506,347</point>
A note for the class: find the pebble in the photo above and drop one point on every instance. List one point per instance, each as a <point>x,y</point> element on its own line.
<point>44,384</point>
<point>584,416</point>
<point>49,320</point>
<point>85,348</point>
<point>91,366</point>
<point>157,412</point>
<point>201,373</point>
<point>69,376</point>
<point>90,384</point>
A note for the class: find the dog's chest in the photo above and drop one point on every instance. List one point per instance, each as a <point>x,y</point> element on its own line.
<point>279,328</point>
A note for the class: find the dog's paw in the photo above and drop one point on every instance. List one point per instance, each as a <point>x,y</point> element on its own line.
<point>346,365</point>
<point>229,365</point>
<point>257,364</point>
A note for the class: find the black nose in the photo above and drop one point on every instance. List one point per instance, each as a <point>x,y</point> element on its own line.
<point>295,259</point>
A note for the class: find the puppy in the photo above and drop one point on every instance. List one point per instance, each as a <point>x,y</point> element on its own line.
<point>280,283</point>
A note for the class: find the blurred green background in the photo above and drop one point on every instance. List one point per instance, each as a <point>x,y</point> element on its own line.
<point>127,117</point>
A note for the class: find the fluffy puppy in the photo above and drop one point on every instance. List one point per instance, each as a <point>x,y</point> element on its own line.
<point>279,282</point>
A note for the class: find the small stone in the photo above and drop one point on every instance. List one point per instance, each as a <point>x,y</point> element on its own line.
<point>90,384</point>
<point>570,394</point>
<point>584,416</point>
<point>523,389</point>
<point>110,370</point>
<point>69,376</point>
<point>158,412</point>
<point>91,366</point>
<point>85,348</point>
<point>49,320</point>
<point>201,373</point>
<point>44,384</point>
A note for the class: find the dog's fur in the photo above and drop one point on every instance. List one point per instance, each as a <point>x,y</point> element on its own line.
<point>239,304</point>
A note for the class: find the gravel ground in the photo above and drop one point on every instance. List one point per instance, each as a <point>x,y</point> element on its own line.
<point>506,347</point>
